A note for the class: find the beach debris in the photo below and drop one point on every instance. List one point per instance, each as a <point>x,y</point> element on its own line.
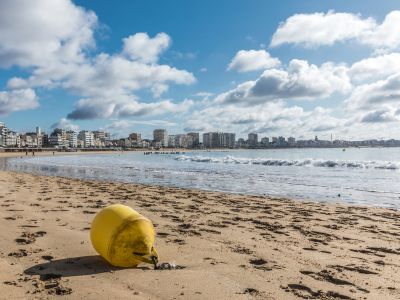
<point>168,266</point>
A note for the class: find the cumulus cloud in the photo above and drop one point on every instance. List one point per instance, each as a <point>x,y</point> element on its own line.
<point>375,68</point>
<point>301,80</point>
<point>66,124</point>
<point>320,29</point>
<point>379,116</point>
<point>50,40</point>
<point>376,94</point>
<point>252,60</point>
<point>38,33</point>
<point>122,128</point>
<point>141,47</point>
<point>16,100</point>
<point>317,29</point>
<point>271,118</point>
<point>95,108</point>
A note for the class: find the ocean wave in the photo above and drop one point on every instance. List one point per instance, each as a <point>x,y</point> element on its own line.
<point>297,163</point>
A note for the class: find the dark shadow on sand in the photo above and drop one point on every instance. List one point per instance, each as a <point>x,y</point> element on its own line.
<point>73,266</point>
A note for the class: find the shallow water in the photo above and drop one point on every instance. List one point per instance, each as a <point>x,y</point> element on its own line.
<point>368,176</point>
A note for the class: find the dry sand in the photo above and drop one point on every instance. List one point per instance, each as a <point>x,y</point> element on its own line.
<point>232,246</point>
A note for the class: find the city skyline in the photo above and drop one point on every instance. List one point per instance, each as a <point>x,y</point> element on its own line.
<point>86,139</point>
<point>83,68</point>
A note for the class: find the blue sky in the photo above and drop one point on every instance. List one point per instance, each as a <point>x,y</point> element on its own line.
<point>128,66</point>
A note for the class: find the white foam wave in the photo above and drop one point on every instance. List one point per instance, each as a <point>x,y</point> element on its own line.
<point>298,163</point>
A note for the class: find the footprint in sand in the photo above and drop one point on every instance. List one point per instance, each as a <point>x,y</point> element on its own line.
<point>29,237</point>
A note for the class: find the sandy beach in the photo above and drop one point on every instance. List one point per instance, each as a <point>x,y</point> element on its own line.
<point>230,246</point>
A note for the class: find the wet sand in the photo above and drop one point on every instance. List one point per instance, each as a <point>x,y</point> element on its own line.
<point>231,246</point>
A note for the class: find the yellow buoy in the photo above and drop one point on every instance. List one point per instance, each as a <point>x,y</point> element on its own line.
<point>123,237</point>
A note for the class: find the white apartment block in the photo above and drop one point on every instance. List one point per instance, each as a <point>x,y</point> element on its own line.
<point>87,138</point>
<point>72,138</point>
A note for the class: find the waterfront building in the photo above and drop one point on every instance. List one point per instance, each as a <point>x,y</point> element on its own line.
<point>72,138</point>
<point>161,136</point>
<point>55,139</point>
<point>218,139</point>
<point>135,137</point>
<point>87,138</point>
<point>227,140</point>
<point>265,141</point>
<point>2,134</point>
<point>252,140</point>
<point>291,141</point>
<point>195,137</point>
<point>58,138</point>
<point>171,141</point>
<point>241,143</point>
<point>281,141</point>
<point>102,136</point>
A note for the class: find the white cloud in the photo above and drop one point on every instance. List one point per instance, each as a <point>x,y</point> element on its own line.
<point>269,119</point>
<point>66,124</point>
<point>251,60</point>
<point>94,108</point>
<point>49,40</point>
<point>317,29</point>
<point>16,100</point>
<point>122,128</point>
<point>374,68</point>
<point>386,35</point>
<point>376,94</point>
<point>380,116</point>
<point>38,33</point>
<point>320,29</point>
<point>301,80</point>
<point>143,48</point>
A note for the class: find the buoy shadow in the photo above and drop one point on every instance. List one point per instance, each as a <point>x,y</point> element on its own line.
<point>73,266</point>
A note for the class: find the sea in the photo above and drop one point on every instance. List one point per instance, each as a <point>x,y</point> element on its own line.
<point>365,176</point>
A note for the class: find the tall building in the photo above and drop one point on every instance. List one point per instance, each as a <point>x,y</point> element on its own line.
<point>87,138</point>
<point>265,141</point>
<point>72,138</point>
<point>55,139</point>
<point>135,137</point>
<point>252,140</point>
<point>2,134</point>
<point>195,137</point>
<point>161,136</point>
<point>218,139</point>
<point>58,138</point>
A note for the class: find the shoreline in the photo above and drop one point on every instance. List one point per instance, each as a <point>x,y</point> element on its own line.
<point>232,246</point>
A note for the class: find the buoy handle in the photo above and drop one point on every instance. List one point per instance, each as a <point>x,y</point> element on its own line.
<point>150,259</point>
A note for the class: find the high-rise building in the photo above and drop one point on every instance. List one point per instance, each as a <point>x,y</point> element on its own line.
<point>135,137</point>
<point>265,141</point>
<point>161,136</point>
<point>87,138</point>
<point>218,139</point>
<point>72,138</point>
<point>252,140</point>
<point>58,138</point>
<point>291,141</point>
<point>281,141</point>
<point>2,134</point>
<point>195,137</point>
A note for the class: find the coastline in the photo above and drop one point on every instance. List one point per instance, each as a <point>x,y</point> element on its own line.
<point>231,245</point>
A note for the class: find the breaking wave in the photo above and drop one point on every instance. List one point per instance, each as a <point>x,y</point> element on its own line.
<point>298,163</point>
